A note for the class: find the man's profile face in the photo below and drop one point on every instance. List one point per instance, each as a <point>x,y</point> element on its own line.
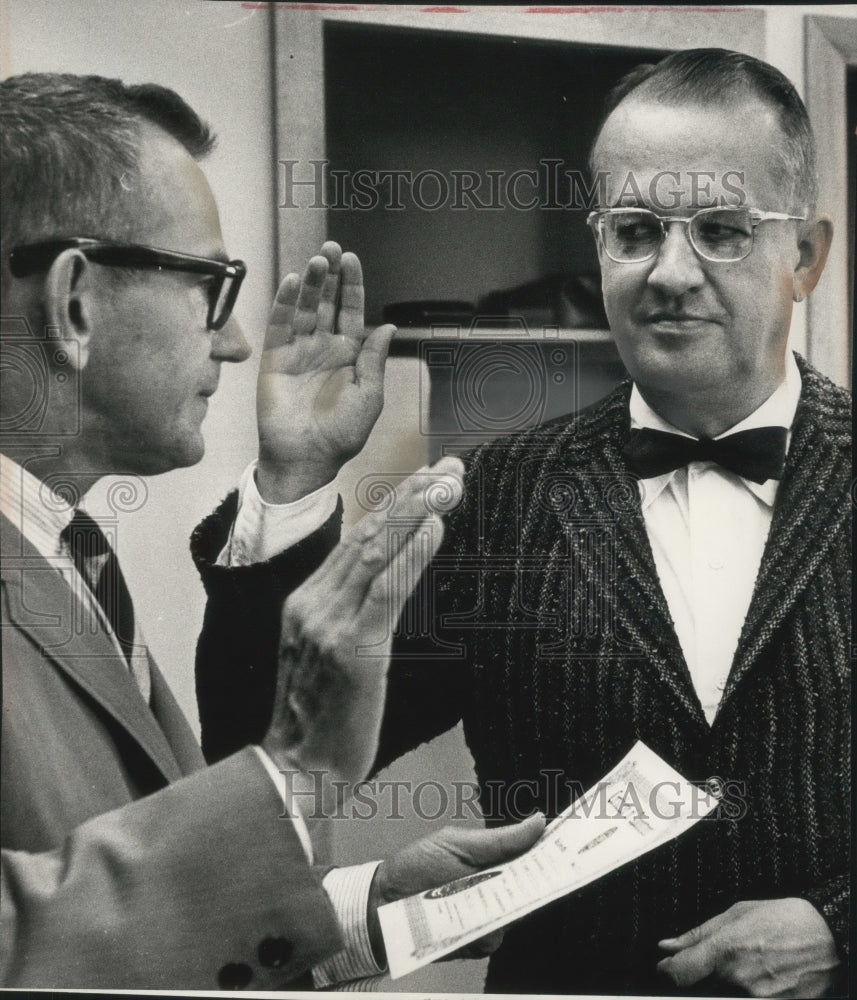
<point>153,363</point>
<point>684,324</point>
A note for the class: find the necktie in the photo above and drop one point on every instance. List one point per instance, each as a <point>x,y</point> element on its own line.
<point>757,454</point>
<point>96,562</point>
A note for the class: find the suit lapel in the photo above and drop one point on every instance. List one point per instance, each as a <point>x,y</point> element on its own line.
<point>641,617</point>
<point>42,604</point>
<point>806,522</point>
<point>174,724</point>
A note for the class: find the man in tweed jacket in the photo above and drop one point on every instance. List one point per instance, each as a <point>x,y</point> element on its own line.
<point>590,594</point>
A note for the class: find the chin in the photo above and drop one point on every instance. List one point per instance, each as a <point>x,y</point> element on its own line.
<point>191,454</point>
<point>670,368</point>
<point>177,455</point>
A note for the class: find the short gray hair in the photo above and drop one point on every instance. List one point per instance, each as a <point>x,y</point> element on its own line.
<point>720,76</point>
<point>68,144</point>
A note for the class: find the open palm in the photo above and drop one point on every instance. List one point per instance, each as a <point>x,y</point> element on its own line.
<point>321,377</point>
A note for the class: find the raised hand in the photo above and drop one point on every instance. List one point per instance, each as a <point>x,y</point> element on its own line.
<point>336,635</point>
<point>321,377</point>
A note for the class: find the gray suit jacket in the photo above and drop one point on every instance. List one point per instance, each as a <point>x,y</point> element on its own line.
<point>126,862</point>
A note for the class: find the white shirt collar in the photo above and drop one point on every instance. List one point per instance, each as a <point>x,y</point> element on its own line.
<point>37,511</point>
<point>778,410</point>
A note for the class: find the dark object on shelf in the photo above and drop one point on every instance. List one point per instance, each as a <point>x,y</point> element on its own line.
<point>570,301</point>
<point>428,313</point>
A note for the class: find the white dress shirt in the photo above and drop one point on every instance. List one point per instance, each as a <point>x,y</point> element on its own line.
<point>42,515</point>
<point>707,528</point>
<point>262,530</point>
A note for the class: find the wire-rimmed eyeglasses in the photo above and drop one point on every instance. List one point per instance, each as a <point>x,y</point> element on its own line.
<point>723,235</point>
<point>222,290</point>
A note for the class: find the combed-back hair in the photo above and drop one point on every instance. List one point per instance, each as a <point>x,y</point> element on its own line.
<point>70,144</point>
<point>721,77</point>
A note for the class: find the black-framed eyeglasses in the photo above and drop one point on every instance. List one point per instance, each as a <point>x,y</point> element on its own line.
<point>222,291</point>
<point>723,235</point>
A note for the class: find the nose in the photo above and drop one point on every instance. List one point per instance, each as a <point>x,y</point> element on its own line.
<point>229,343</point>
<point>677,268</point>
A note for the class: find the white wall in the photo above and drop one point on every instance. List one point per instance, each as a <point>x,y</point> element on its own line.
<point>784,48</point>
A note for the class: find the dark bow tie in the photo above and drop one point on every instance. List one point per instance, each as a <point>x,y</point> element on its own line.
<point>757,454</point>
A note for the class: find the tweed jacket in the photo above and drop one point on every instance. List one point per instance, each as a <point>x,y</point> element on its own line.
<point>126,862</point>
<point>542,625</point>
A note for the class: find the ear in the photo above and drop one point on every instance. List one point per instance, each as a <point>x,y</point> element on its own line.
<point>69,289</point>
<point>814,245</point>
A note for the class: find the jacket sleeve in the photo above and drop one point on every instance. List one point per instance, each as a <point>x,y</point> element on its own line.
<point>236,656</point>
<point>832,900</point>
<point>199,886</point>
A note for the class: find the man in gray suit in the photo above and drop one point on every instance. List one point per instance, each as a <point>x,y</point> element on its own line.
<point>127,862</point>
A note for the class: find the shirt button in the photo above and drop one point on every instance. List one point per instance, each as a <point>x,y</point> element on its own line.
<point>715,562</point>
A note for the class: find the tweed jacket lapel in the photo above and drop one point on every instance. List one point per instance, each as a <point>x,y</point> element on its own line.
<point>41,603</point>
<point>641,617</point>
<point>808,516</point>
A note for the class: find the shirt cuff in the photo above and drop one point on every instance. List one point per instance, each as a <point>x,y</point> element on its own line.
<point>262,530</point>
<point>289,801</point>
<point>348,891</point>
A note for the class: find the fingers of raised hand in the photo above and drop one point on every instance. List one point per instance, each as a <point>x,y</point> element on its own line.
<point>364,582</point>
<point>329,299</point>
<point>279,330</point>
<point>373,357</point>
<point>351,297</point>
<point>305,321</point>
<point>433,489</point>
<point>375,540</point>
<point>391,587</point>
<point>406,534</point>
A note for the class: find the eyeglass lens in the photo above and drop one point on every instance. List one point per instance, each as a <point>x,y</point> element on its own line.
<point>223,295</point>
<point>717,235</point>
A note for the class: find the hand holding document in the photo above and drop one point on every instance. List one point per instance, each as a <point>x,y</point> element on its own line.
<point>641,804</point>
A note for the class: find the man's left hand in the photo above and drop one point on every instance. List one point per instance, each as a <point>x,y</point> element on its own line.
<point>770,948</point>
<point>321,377</point>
